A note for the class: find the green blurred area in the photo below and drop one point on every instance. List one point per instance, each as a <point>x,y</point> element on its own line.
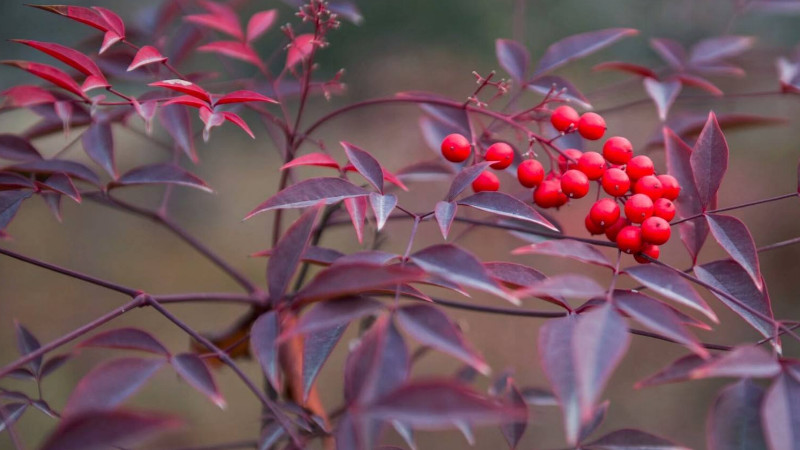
<point>401,46</point>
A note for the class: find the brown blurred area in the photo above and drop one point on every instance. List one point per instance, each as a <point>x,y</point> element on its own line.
<point>419,45</point>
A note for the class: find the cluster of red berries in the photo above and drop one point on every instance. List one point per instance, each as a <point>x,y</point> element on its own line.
<point>631,181</point>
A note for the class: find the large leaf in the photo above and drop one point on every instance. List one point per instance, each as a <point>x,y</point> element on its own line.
<point>671,285</point>
<point>742,362</point>
<point>465,178</point>
<point>513,58</point>
<point>377,365</point>
<point>69,56</point>
<point>505,205</point>
<point>629,439</point>
<point>578,46</point>
<point>15,148</point>
<point>365,164</point>
<point>51,166</point>
<point>333,314</point>
<point>264,342</point>
<point>287,253</point>
<point>128,339</point>
<point>99,145</point>
<point>195,372</point>
<point>734,422</point>
<point>310,192</point>
<point>101,430</point>
<point>733,235</point>
<point>355,278</point>
<point>317,346</point>
<point>566,248</point>
<point>780,414</point>
<point>719,47</point>
<point>556,356</point>
<point>709,161</point>
<point>162,174</point>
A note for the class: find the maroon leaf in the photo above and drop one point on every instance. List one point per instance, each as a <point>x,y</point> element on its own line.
<point>714,49</point>
<point>366,165</point>
<point>49,73</point>
<point>375,257</point>
<point>27,343</point>
<point>663,94</point>
<point>54,363</point>
<point>733,235</point>
<point>451,118</point>
<point>671,285</point>
<point>310,192</point>
<point>146,55</point>
<point>162,174</point>
<point>377,365</point>
<point>243,97</point>
<point>578,46</point>
<point>236,120</point>
<point>357,209</point>
<point>670,51</point>
<point>679,370</point>
<point>10,201</point>
<point>24,96</point>
<point>312,159</point>
<point>184,87</point>
<point>286,255</point>
<point>629,439</point>
<point>709,161</point>
<point>513,58</point>
<point>78,13</point>
<point>513,432</point>
<point>107,429</point>
<point>175,119</point>
<point>62,184</point>
<point>382,207</point>
<point>445,212</point>
<point>10,413</point>
<point>567,91</point>
<point>128,339</point>
<point>259,23</point>
<point>333,314</point>
<point>233,49</point>
<point>99,145</point>
<point>431,327</point>
<point>224,21</point>
<point>69,56</point>
<point>734,420</point>
<point>742,362</point>
<point>317,347</point>
<point>109,384</point>
<point>354,278</point>
<point>192,369</point>
<point>569,285</point>
<point>556,356</point>
<point>505,205</point>
<point>621,66</point>
<point>264,342</point>
<point>513,274</point>
<point>780,414</point>
<point>699,82</point>
<point>13,181</point>
<point>465,178</point>
<point>300,49</point>
<point>566,248</point>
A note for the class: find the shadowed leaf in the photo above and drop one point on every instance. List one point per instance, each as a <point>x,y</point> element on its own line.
<point>195,372</point>
<point>264,342</point>
<point>709,161</point>
<point>162,174</point>
<point>578,46</point>
<point>671,285</point>
<point>465,178</point>
<point>317,347</point>
<point>354,278</point>
<point>377,365</point>
<point>99,145</point>
<point>287,253</point>
<point>26,344</point>
<point>333,314</point>
<point>310,192</point>
<point>128,339</point>
<point>569,285</point>
<point>51,166</point>
<point>365,164</point>
<point>357,209</point>
<point>505,205</point>
<point>10,413</point>
<point>678,370</point>
<point>513,58</point>
<point>445,212</point>
<point>670,51</point>
<point>175,119</point>
<point>733,235</point>
<point>10,201</point>
<point>382,207</point>
<point>556,357</point>
<point>568,91</point>
<point>102,430</point>
<point>513,274</point>
<point>566,248</point>
<point>734,420</point>
<point>15,148</point>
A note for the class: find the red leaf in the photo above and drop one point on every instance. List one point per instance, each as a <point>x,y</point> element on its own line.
<point>734,420</point>
<point>91,17</point>
<point>742,362</point>
<point>102,430</point>
<point>243,97</point>
<point>26,95</point>
<point>392,178</point>
<point>128,339</point>
<point>732,234</point>
<point>99,145</point>
<point>578,46</point>
<point>238,121</point>
<point>187,100</point>
<point>221,18</point>
<point>566,248</point>
<point>146,55</point>
<point>382,207</point>
<point>310,192</point>
<point>717,48</point>
<point>192,369</point>
<point>663,94</point>
<point>513,58</point>
<point>445,212</point>
<point>629,439</point>
<point>670,51</point>
<point>709,161</point>
<point>109,39</point>
<point>365,164</point>
<point>621,66</point>
<point>287,253</point>
<point>505,205</point>
<point>465,178</point>
<point>377,365</point>
<point>671,285</point>
<point>259,23</point>
<point>780,413</point>
<point>15,148</point>
<point>69,56</point>
<point>162,174</point>
<point>49,73</point>
<point>264,342</point>
<point>92,82</point>
<point>184,87</point>
<point>355,278</point>
<point>312,159</point>
<point>233,49</point>
<point>113,21</point>
<point>357,209</point>
<point>300,49</point>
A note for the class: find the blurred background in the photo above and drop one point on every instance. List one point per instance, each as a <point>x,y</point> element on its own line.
<point>413,45</point>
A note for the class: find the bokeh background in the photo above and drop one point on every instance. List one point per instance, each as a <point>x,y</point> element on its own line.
<point>400,46</point>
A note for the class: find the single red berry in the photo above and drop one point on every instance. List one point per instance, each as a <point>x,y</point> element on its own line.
<point>455,148</point>
<point>613,230</point>
<point>604,212</point>
<point>592,227</point>
<point>565,164</point>
<point>664,208</point>
<point>617,150</point>
<point>486,181</point>
<point>574,184</point>
<point>592,164</point>
<point>629,239</point>
<point>638,207</point>
<point>656,230</point>
<point>640,166</point>
<point>671,187</point>
<point>649,186</point>
<point>616,182</point>
<point>530,173</point>
<point>647,249</point>
<point>564,117</point>
<point>547,194</point>
<point>502,153</point>
<point>592,126</point>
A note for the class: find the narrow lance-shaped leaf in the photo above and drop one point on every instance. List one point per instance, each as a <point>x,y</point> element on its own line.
<point>286,255</point>
<point>663,94</point>
<point>671,285</point>
<point>377,365</point>
<point>243,96</point>
<point>445,212</point>
<point>192,369</point>
<point>670,51</point>
<point>780,414</point>
<point>10,201</point>
<point>49,73</point>
<point>465,178</point>
<point>505,205</point>
<point>317,347</point>
<point>355,278</point>
<point>630,439</point>
<point>333,314</point>
<point>15,148</point>
<point>568,91</point>
<point>365,164</point>
<point>128,339</point>
<point>716,48</point>
<point>677,371</point>
<point>145,56</point>
<point>556,357</point>
<point>310,192</point>
<point>513,58</point>
<point>566,248</point>
<point>742,362</point>
<point>175,119</point>
<point>734,421</point>
<point>312,159</point>
<point>357,210</point>
<point>62,184</point>
<point>569,285</point>
<point>709,161</point>
<point>260,22</point>
<point>107,429</point>
<point>382,207</point>
<point>27,343</point>
<point>67,55</point>
<point>98,142</point>
<point>264,342</point>
<point>10,413</point>
<point>162,174</point>
<point>578,46</point>
<point>733,235</point>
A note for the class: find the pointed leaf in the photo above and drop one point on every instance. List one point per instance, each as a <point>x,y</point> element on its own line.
<point>718,48</point>
<point>107,429</point>
<point>663,94</point>
<point>465,178</point>
<point>300,49</point>
<point>629,439</point>
<point>733,235</point>
<point>505,205</point>
<point>578,46</point>
<point>742,362</point>
<point>175,119</point>
<point>377,365</point>
<point>25,95</point>
<point>366,165</point>
<point>10,201</point>
<point>556,357</point>
<point>10,413</point>
<point>27,343</point>
<point>317,347</point>
<point>98,143</point>
<point>184,87</point>
<point>513,58</point>
<point>62,184</point>
<point>243,97</point>
<point>333,314</point>
<point>567,91</point>
<point>566,248</point>
<point>693,232</point>
<point>264,342</point>
<point>286,255</point>
<point>671,285</point>
<point>709,161</point>
<point>701,83</point>
<point>259,23</point>
<point>81,14</point>
<point>780,414</point>
<point>195,372</point>
<point>357,209</point>
<point>54,363</point>
<point>226,23</point>
<point>382,207</point>
<point>233,49</point>
<point>312,159</point>
<point>69,56</point>
<point>49,73</point>
<point>670,51</point>
<point>162,174</point>
<point>355,278</point>
<point>734,420</point>
<point>598,417</point>
<point>621,66</point>
<point>113,21</point>
<point>128,339</point>
<point>146,55</point>
<point>310,192</point>
<point>238,121</point>
<point>570,285</point>
<point>445,212</point>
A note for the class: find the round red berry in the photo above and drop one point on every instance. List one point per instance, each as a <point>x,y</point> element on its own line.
<point>639,166</point>
<point>649,186</point>
<point>592,164</point>
<point>629,239</point>
<point>655,230</point>
<point>592,126</point>
<point>486,181</point>
<point>455,148</point>
<point>647,249</point>
<point>574,184</point>
<point>664,208</point>
<point>530,173</point>
<point>671,187</point>
<point>592,227</point>
<point>564,117</point>
<point>613,230</point>
<point>604,212</point>
<point>502,153</point>
<point>547,194</point>
<point>565,163</point>
<point>615,182</point>
<point>617,150</point>
<point>638,208</point>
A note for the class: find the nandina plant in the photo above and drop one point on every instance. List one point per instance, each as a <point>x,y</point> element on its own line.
<point>524,157</point>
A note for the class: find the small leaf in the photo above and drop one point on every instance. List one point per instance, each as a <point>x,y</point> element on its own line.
<point>445,212</point>
<point>264,342</point>
<point>98,143</point>
<point>128,339</point>
<point>357,210</point>
<point>10,413</point>
<point>184,87</point>
<point>10,201</point>
<point>701,83</point>
<point>192,369</point>
<point>26,344</point>
<point>734,420</point>
<point>578,46</point>
<point>285,257</point>
<point>671,285</point>
<point>26,95</point>
<point>598,417</point>
<point>780,413</point>
<point>566,248</point>
<point>717,48</point>
<point>310,192</point>
<point>107,429</point>
<point>465,178</point>
<point>670,51</point>
<point>259,23</point>
<point>233,49</point>
<point>317,347</point>
<point>54,363</point>
<point>377,365</point>
<point>629,439</point>
<point>176,120</point>
<point>355,278</point>
<point>505,205</point>
<point>365,164</point>
<point>382,207</point>
<point>162,174</point>
<point>300,49</point>
<point>62,184</point>
<point>238,121</point>
<point>312,159</point>
<point>733,235</point>
<point>513,58</point>
<point>742,362</point>
<point>621,66</point>
<point>333,314</point>
<point>709,161</point>
<point>223,19</point>
<point>663,94</point>
<point>146,55</point>
<point>243,97</point>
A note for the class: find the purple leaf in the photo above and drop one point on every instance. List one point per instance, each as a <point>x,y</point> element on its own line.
<point>465,178</point>
<point>10,180</point>
<point>192,369</point>
<point>631,68</point>
<point>333,314</point>
<point>445,212</point>
<point>717,48</point>
<point>375,257</point>
<point>672,286</point>
<point>578,46</point>
<point>454,118</point>
<point>10,201</point>
<point>601,340</point>
<point>98,143</point>
<point>264,342</point>
<point>569,285</point>
<point>663,94</point>
<point>434,170</point>
<point>310,192</point>
<point>312,159</point>
<point>109,384</point>
<point>709,161</point>
<point>382,206</point>
<point>598,417</point>
<point>51,166</point>
<point>544,83</point>
<point>459,266</point>
<point>354,278</point>
<point>347,10</point>
<point>377,365</point>
<point>431,327</point>
<point>566,248</point>
<point>505,205</point>
<point>733,235</point>
<point>162,174</point>
<point>107,429</point>
<point>513,58</point>
<point>513,274</point>
<point>317,347</point>
<point>176,120</point>
<point>513,432</point>
<point>780,414</point>
<point>53,202</point>
<point>365,164</point>
<point>556,356</point>
<point>27,343</point>
<point>742,362</point>
<point>15,148</point>
<point>670,51</point>
<point>679,370</point>
<point>128,339</point>
<point>734,420</point>
<point>629,439</point>
<point>54,363</point>
<point>62,184</point>
<point>286,255</point>
<point>357,209</point>
<point>10,413</point>
<point>729,277</point>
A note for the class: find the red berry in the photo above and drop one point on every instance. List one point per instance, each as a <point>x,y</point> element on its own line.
<point>649,186</point>
<point>564,117</point>
<point>455,148</point>
<point>617,150</point>
<point>670,185</point>
<point>656,230</point>
<point>616,182</point>
<point>638,207</point>
<point>574,184</point>
<point>613,230</point>
<point>629,239</point>
<point>502,153</point>
<point>592,126</point>
<point>565,164</point>
<point>639,166</point>
<point>647,249</point>
<point>486,181</point>
<point>592,164</point>
<point>547,195</point>
<point>530,173</point>
<point>664,208</point>
<point>604,212</point>
<point>592,227</point>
